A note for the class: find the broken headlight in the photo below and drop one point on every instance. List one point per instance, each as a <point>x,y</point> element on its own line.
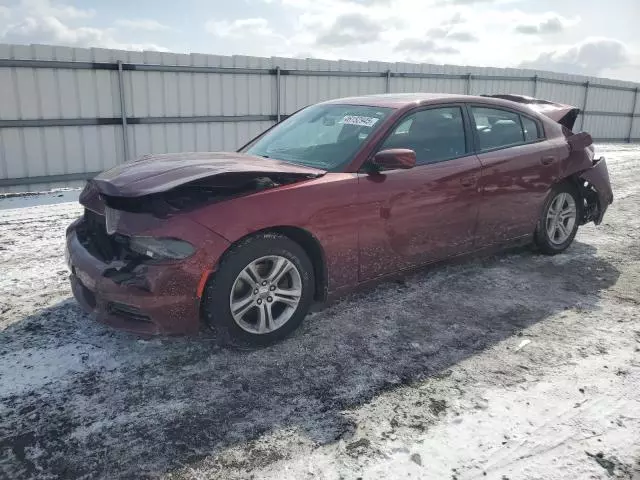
<point>161,248</point>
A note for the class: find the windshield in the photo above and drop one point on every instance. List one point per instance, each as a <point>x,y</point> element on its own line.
<point>321,136</point>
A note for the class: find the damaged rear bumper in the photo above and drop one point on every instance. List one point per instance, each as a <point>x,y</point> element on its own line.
<point>154,299</point>
<point>598,178</point>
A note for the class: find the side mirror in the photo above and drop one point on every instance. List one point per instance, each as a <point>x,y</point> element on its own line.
<point>579,141</point>
<point>395,158</point>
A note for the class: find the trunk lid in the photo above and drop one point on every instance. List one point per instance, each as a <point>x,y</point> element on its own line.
<point>159,173</point>
<point>565,115</point>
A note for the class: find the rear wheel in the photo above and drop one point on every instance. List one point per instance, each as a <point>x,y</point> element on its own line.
<point>558,223</point>
<point>261,292</point>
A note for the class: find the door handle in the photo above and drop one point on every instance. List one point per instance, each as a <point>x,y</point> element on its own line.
<point>547,160</point>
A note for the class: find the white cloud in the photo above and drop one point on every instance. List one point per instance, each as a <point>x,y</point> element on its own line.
<point>240,27</point>
<point>53,9</point>
<point>589,57</point>
<point>424,46</point>
<point>449,30</point>
<point>472,2</point>
<point>549,24</point>
<point>142,24</point>
<point>50,30</point>
<point>5,12</point>
<point>349,29</point>
<point>462,36</point>
<point>485,33</point>
<point>47,22</point>
<point>496,33</point>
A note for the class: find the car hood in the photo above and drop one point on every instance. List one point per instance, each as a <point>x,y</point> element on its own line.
<point>159,173</point>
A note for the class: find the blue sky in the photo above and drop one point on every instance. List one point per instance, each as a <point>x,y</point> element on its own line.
<point>571,36</point>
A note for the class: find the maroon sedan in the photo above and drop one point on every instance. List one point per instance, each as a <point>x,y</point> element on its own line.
<point>339,194</point>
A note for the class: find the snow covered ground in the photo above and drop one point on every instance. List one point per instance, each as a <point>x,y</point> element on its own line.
<point>515,366</point>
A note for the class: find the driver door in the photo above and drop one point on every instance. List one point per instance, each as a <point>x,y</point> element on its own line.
<point>426,213</point>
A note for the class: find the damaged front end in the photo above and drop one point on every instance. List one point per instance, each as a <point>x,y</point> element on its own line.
<point>138,260</point>
<point>127,232</point>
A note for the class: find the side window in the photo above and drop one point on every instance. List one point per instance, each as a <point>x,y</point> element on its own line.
<point>497,128</point>
<point>435,134</point>
<point>531,131</point>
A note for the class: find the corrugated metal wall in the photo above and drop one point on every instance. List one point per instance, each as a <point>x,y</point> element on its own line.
<point>64,121</point>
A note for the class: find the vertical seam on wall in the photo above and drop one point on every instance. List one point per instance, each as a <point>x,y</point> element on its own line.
<point>134,144</point>
<point>3,158</point>
<point>41,135</point>
<point>584,106</point>
<point>65,152</point>
<point>148,128</point>
<point>164,110</point>
<point>208,109</point>
<point>179,102</point>
<point>278,78</point>
<point>23,144</point>
<point>100,131</point>
<point>79,111</point>
<point>193,106</point>
<point>235,110</point>
<point>632,115</point>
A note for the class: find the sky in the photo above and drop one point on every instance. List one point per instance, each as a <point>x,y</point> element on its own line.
<point>570,36</point>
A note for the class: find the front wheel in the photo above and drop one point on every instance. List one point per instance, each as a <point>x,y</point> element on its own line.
<point>558,223</point>
<point>261,292</point>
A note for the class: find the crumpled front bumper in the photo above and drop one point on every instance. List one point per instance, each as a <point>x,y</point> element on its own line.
<point>598,177</point>
<point>159,299</point>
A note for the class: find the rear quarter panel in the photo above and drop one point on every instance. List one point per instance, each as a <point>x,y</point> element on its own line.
<point>326,207</point>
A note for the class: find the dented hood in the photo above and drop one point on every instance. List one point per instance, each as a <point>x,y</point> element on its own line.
<point>565,115</point>
<point>159,173</point>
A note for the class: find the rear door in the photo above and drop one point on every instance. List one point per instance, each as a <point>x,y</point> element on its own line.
<point>519,165</point>
<point>425,213</point>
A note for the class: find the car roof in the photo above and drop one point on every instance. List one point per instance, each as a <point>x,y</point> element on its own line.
<point>400,100</point>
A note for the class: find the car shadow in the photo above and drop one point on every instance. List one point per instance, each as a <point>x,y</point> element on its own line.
<point>88,401</point>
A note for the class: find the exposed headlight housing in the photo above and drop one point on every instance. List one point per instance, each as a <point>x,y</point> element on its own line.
<point>161,248</point>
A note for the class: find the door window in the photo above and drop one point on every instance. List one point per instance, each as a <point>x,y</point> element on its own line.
<point>435,134</point>
<point>531,131</point>
<point>497,128</point>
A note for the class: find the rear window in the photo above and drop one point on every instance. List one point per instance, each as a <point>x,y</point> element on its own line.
<point>497,128</point>
<point>503,128</point>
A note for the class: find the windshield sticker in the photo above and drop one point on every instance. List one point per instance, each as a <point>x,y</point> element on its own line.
<point>360,121</point>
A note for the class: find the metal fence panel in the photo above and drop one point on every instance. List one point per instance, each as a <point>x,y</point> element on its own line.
<point>61,112</point>
<point>607,100</point>
<point>569,94</point>
<point>635,131</point>
<point>603,126</point>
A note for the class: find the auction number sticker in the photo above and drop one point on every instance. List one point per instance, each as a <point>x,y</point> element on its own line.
<point>360,121</point>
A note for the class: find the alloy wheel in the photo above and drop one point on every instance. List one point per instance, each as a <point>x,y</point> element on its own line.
<point>265,294</point>
<point>561,218</point>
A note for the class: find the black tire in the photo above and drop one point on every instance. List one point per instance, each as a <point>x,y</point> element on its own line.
<point>216,306</point>
<point>541,237</point>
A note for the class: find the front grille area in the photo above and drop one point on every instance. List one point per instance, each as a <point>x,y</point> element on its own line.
<point>127,312</point>
<point>92,234</point>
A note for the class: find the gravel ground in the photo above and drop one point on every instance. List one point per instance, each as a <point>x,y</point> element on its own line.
<point>515,366</point>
